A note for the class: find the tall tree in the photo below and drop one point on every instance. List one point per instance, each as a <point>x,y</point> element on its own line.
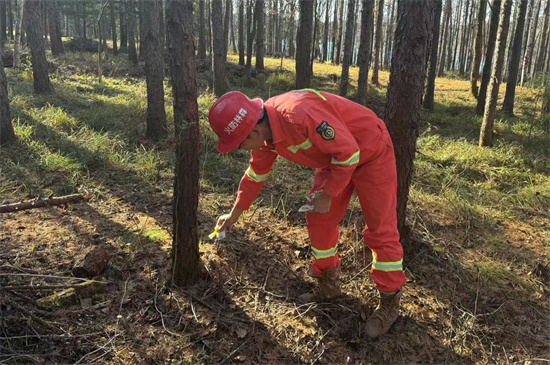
<point>529,47</point>
<point>41,77</point>
<point>546,98</point>
<point>488,63</point>
<point>3,21</point>
<point>250,35</point>
<point>325,33</point>
<point>218,48</point>
<point>389,36</point>
<point>513,66</point>
<point>363,58</point>
<point>185,247</point>
<point>154,73</point>
<point>543,48</point>
<point>259,14</point>
<point>18,31</point>
<point>464,40</point>
<point>241,32</point>
<point>486,133</point>
<point>122,25</point>
<point>304,72</point>
<point>340,27</point>
<point>202,35</point>
<point>428,101</point>
<point>478,45</point>
<point>6,129</point>
<point>334,32</point>
<point>232,28</point>
<point>112,18</point>
<point>407,76</point>
<point>54,23</point>
<point>226,20</point>
<point>377,40</point>
<point>348,51</point>
<point>84,25</point>
<point>131,30</point>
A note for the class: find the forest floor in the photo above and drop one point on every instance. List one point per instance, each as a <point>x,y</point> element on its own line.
<point>477,262</point>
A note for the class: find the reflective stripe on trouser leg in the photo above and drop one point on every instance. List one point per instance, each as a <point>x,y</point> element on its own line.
<point>376,186</point>
<point>323,228</point>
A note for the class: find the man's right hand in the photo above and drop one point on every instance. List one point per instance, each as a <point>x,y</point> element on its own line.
<point>227,220</point>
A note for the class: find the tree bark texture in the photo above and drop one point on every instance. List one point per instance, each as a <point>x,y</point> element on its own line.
<point>478,46</point>
<point>185,247</point>
<point>513,66</point>
<point>154,71</point>
<point>389,36</point>
<point>325,33</point>
<point>464,40</point>
<point>250,34</point>
<point>334,32</point>
<point>112,18</point>
<point>539,64</point>
<point>123,27</point>
<point>202,35</point>
<point>428,101</point>
<point>3,21</point>
<point>131,30</point>
<point>54,23</point>
<point>18,30</point>
<point>363,59</point>
<point>218,47</point>
<point>348,51</point>
<point>303,45</point>
<point>41,77</point>
<point>529,47</point>
<point>241,33</point>
<point>6,128</point>
<point>488,63</point>
<point>486,134</point>
<point>407,76</point>
<point>260,19</point>
<point>226,19</point>
<point>378,39</point>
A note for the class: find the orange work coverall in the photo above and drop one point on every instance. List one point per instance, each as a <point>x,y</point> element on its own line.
<point>350,148</point>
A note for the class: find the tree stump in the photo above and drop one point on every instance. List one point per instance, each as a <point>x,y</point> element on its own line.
<point>93,264</point>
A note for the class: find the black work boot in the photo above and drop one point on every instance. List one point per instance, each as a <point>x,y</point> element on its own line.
<point>384,315</point>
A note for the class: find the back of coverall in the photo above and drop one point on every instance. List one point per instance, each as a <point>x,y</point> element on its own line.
<point>350,149</point>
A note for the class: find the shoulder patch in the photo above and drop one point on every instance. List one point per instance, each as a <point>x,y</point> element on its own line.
<point>326,131</point>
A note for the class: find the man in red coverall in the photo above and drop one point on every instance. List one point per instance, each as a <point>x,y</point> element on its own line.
<point>350,149</point>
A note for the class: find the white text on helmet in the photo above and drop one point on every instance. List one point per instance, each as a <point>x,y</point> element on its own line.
<point>236,121</point>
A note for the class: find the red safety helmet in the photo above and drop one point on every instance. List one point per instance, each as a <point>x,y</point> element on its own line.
<point>233,117</point>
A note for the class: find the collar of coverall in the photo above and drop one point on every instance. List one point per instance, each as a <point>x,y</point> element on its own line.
<point>274,124</point>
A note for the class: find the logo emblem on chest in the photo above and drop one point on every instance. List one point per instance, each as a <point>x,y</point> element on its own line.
<point>326,131</point>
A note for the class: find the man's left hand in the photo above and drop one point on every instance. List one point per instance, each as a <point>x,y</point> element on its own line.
<point>321,203</point>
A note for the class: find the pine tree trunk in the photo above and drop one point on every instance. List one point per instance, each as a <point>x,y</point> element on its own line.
<point>486,134</point>
<point>131,29</point>
<point>233,42</point>
<point>6,129</point>
<point>456,39</point>
<point>226,29</point>
<point>546,98</point>
<point>446,29</point>
<point>428,101</point>
<point>3,22</point>
<point>276,28</point>
<point>325,34</point>
<point>202,35</point>
<point>154,72</point>
<point>526,68</point>
<point>10,20</point>
<point>241,32</point>
<point>389,36</point>
<point>41,77</point>
<point>18,31</point>
<point>55,27</point>
<point>185,248</point>
<point>448,61</point>
<point>112,16</point>
<point>367,19</point>
<point>260,35</point>
<point>488,63</point>
<point>464,41</point>
<point>123,28</point>
<point>513,67</point>
<point>292,27</point>
<point>334,32</point>
<point>348,51</point>
<point>379,17</point>
<point>303,45</point>
<point>539,65</point>
<point>407,76</point>
<point>218,47</point>
<point>340,26</point>
<point>478,44</point>
<point>250,36</point>
<point>84,27</point>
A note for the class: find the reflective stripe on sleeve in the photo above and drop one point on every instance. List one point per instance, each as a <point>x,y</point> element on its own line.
<point>353,160</point>
<point>314,91</point>
<point>387,266</point>
<point>255,177</point>
<point>323,254</point>
<point>302,146</point>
